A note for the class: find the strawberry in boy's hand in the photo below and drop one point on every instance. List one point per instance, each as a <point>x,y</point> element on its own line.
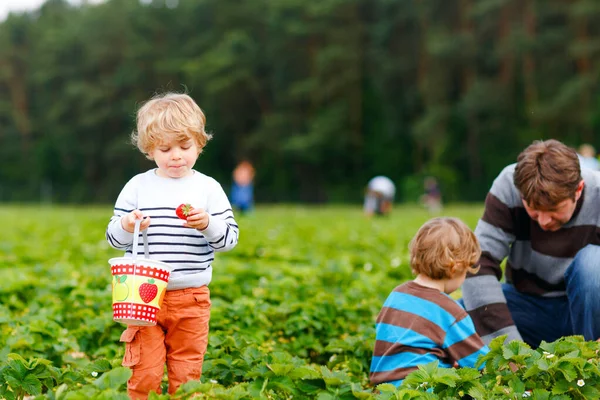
<point>183,211</point>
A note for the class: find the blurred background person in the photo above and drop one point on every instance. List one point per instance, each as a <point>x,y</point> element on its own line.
<point>242,189</point>
<point>432,198</point>
<point>379,196</point>
<point>587,157</point>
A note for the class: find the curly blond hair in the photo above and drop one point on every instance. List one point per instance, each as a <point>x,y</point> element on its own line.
<point>169,114</point>
<point>443,248</point>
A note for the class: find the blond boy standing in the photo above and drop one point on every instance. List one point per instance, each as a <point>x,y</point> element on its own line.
<point>171,132</point>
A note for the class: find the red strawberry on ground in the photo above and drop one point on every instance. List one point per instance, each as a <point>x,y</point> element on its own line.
<point>148,291</point>
<point>183,210</point>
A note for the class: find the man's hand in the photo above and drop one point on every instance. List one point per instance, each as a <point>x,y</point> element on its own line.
<point>197,219</point>
<point>128,221</point>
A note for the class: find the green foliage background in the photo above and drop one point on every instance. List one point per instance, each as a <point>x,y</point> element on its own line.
<point>293,313</point>
<point>304,285</point>
<point>321,96</point>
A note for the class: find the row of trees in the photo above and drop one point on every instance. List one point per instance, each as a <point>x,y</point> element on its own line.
<point>320,95</point>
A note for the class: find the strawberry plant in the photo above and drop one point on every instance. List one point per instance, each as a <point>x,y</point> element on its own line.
<point>293,314</point>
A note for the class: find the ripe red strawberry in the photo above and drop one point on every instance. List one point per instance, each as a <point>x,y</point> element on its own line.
<point>148,291</point>
<point>183,210</point>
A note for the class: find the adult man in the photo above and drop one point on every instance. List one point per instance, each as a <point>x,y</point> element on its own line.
<point>543,215</point>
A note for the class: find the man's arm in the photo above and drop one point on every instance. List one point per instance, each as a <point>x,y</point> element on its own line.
<point>482,292</point>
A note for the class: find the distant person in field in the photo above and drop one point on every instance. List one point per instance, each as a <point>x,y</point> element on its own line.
<point>542,215</point>
<point>432,198</point>
<point>379,196</point>
<point>242,189</point>
<point>419,323</point>
<point>587,157</point>
<point>171,132</point>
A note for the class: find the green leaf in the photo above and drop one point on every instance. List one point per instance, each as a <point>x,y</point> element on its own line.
<point>114,379</point>
<point>61,391</point>
<point>72,377</point>
<point>195,386</point>
<point>540,394</point>
<point>590,392</point>
<point>386,387</point>
<point>31,385</point>
<point>325,396</point>
<point>478,393</point>
<point>560,387</point>
<point>310,386</point>
<point>8,395</point>
<point>304,372</point>
<point>281,369</point>
<point>282,383</point>
<point>333,378</point>
<point>18,365</point>
<point>13,378</point>
<point>468,374</point>
<point>100,365</point>
<point>516,385</point>
<point>568,370</point>
<point>359,393</point>
<point>497,343</point>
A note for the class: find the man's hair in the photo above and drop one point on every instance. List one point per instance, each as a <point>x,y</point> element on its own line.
<point>443,248</point>
<point>169,114</point>
<point>547,173</point>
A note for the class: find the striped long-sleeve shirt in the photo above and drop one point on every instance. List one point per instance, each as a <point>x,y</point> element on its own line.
<point>418,325</point>
<point>189,251</point>
<point>536,259</point>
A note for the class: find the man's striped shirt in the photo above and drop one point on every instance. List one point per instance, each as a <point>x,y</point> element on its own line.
<point>188,250</point>
<point>418,325</point>
<point>536,260</point>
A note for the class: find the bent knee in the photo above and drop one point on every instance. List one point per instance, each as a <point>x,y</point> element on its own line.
<point>585,267</point>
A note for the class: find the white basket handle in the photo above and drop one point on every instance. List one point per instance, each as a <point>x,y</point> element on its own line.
<point>136,238</point>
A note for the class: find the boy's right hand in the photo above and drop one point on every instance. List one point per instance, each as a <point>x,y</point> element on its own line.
<point>128,221</point>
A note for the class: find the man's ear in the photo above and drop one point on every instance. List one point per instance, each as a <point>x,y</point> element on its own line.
<point>580,187</point>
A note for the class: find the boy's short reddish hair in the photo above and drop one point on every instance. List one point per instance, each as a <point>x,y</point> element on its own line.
<point>444,247</point>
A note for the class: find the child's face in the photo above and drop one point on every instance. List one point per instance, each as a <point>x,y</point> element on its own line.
<point>175,158</point>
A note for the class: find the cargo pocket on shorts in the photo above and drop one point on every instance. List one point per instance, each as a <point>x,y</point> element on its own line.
<point>133,348</point>
<point>202,297</point>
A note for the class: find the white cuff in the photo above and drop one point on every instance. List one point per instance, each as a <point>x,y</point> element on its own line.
<point>215,229</point>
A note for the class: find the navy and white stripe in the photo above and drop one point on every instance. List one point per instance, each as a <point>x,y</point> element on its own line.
<point>191,252</point>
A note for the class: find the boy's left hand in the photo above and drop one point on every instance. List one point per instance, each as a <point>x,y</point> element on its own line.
<point>197,219</point>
